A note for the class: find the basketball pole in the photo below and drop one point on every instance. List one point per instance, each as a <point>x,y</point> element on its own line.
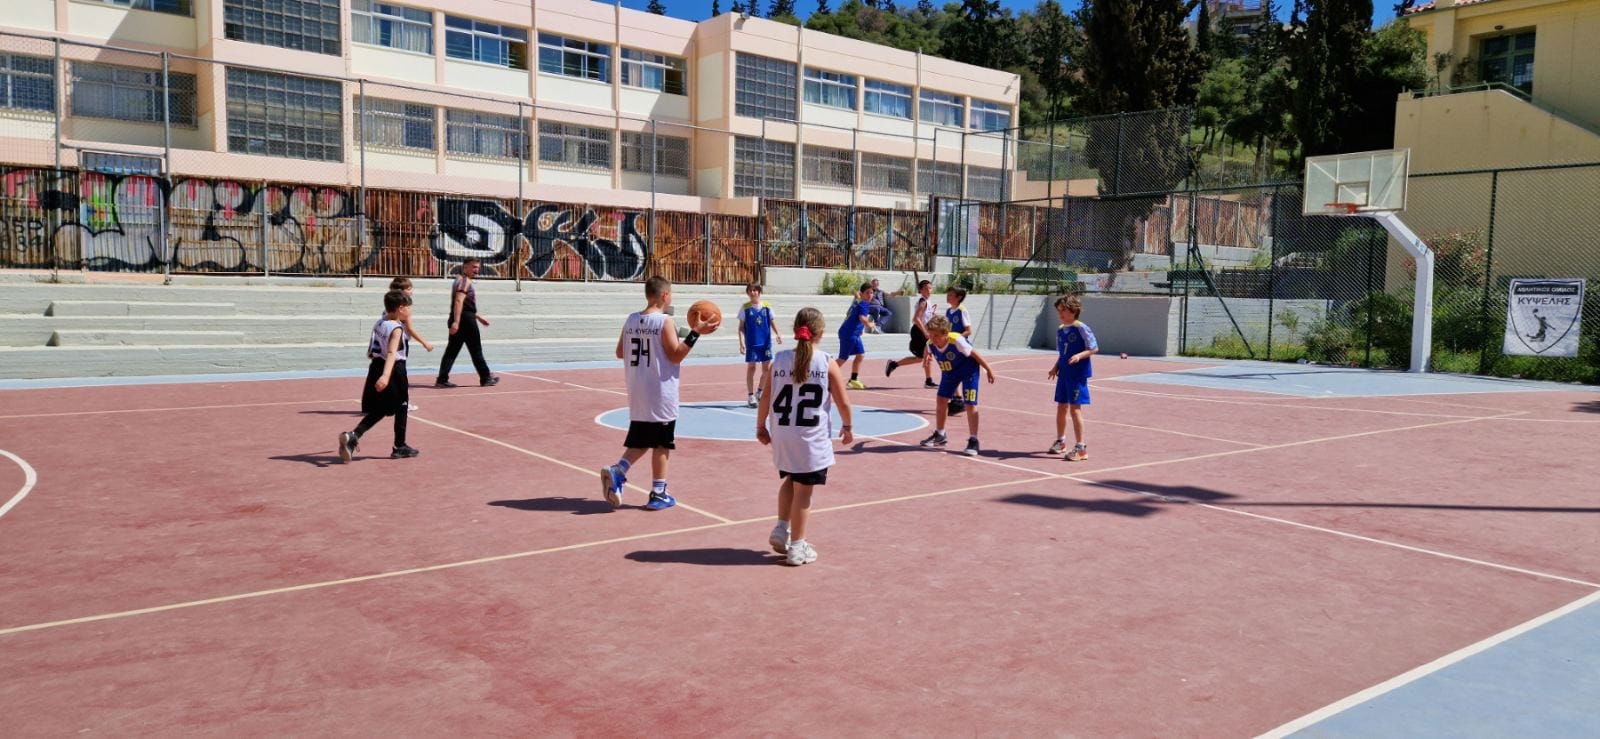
<point>1422,303</point>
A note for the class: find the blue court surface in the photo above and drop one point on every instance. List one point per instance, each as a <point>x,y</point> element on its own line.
<point>1315,381</point>
<point>733,421</point>
<point>1556,692</point>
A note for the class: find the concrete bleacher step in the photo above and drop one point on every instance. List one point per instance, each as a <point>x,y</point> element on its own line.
<point>18,330</point>
<point>108,337</point>
<point>136,360</point>
<point>74,308</point>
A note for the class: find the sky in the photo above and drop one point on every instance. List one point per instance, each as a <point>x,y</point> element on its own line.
<point>697,10</point>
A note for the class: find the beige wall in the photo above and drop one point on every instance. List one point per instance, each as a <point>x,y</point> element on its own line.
<point>1486,129</point>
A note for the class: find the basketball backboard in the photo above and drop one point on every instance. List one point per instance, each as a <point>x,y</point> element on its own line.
<point>1362,182</point>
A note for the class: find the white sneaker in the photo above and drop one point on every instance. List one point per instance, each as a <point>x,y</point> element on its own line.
<point>411,407</point>
<point>779,539</point>
<point>750,401</point>
<point>800,553</point>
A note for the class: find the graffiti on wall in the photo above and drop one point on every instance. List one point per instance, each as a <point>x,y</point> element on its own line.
<point>485,230</point>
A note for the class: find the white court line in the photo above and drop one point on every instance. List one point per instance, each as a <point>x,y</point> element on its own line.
<point>1417,673</point>
<point>1261,402</point>
<point>29,479</point>
<point>553,460</point>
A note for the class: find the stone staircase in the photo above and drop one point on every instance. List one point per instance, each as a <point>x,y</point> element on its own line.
<point>128,325</point>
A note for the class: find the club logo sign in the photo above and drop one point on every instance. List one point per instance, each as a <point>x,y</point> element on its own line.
<point>1543,316</point>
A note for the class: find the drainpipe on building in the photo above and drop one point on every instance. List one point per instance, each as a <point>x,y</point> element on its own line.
<point>523,148</point>
<point>166,168</point>
<point>361,222</point>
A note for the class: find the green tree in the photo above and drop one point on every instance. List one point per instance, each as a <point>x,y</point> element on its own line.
<point>1202,31</point>
<point>1326,60</point>
<point>656,7</point>
<point>1136,57</point>
<point>855,20</point>
<point>783,10</point>
<point>1220,98</point>
<point>981,34</point>
<point>1395,60</point>
<point>716,8</point>
<point>1051,39</point>
<point>822,8</point>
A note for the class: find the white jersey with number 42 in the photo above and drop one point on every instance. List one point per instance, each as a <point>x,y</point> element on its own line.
<point>652,379</point>
<point>801,418</point>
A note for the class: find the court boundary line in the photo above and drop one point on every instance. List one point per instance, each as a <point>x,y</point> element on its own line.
<point>30,478</point>
<point>1424,670</point>
<point>553,460</point>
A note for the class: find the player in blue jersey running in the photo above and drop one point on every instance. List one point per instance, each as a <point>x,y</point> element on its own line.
<point>1075,345</point>
<point>851,348</point>
<point>756,334</point>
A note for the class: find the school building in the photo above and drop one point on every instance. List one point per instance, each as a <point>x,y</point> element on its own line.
<point>548,100</point>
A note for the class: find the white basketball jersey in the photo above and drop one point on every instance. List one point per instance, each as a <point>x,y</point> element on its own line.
<point>652,380</point>
<point>801,418</point>
<point>927,309</point>
<point>378,345</point>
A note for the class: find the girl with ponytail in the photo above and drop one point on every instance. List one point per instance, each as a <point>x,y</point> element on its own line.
<point>795,417</point>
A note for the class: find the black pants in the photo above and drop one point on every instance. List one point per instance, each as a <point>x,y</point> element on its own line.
<point>466,335</point>
<point>372,419</point>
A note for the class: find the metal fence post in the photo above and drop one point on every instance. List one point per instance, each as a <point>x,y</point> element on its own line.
<point>55,252</point>
<point>889,244</point>
<point>1116,169</point>
<point>1272,263</point>
<point>1488,275</point>
<point>805,232</point>
<point>361,220</point>
<point>168,253</point>
<point>651,244</point>
<point>261,218</point>
<point>519,237</point>
<point>705,231</point>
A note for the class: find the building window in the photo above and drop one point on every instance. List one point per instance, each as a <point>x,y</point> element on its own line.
<point>987,116</point>
<point>762,169</point>
<point>308,25</point>
<point>886,98</point>
<point>763,87</point>
<point>984,183</point>
<point>27,82</point>
<point>490,43</point>
<point>174,7</point>
<point>1507,60</point>
<point>820,165</point>
<point>285,115</point>
<point>885,173</point>
<point>130,94</point>
<point>654,71</point>
<point>941,109</point>
<point>394,26</point>
<point>572,57</point>
<point>830,88</point>
<point>672,154</point>
<point>938,178</point>
<point>394,124</point>
<point>484,134</point>
<point>574,146</point>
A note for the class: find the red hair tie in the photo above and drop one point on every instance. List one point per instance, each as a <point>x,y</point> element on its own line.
<point>803,333</point>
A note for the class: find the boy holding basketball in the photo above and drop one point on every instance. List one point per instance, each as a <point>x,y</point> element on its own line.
<point>756,334</point>
<point>856,320</point>
<point>1075,344</point>
<point>919,336</point>
<point>796,419</point>
<point>961,323</point>
<point>651,354</point>
<point>960,363</point>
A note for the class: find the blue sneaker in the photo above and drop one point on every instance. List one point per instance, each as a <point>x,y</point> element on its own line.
<point>660,500</point>
<point>611,481</point>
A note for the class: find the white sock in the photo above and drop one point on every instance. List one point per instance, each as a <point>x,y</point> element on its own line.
<point>782,526</point>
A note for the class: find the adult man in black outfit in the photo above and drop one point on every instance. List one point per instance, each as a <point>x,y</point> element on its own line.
<point>464,320</point>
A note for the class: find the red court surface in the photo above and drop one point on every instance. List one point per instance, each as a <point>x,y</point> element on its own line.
<point>194,559</point>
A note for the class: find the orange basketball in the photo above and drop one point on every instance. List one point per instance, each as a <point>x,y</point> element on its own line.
<point>704,316</point>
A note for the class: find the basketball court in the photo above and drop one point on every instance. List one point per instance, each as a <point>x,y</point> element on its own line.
<point>1251,548</point>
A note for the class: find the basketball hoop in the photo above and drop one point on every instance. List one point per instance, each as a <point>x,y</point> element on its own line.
<point>1341,209</point>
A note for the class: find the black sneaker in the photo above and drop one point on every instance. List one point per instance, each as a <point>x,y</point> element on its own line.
<point>937,439</point>
<point>889,368</point>
<point>930,384</point>
<point>972,447</point>
<point>347,446</point>
<point>491,381</point>
<point>403,452</point>
<point>444,384</point>
<point>957,407</point>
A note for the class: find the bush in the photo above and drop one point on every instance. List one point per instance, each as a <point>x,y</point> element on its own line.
<point>841,282</point>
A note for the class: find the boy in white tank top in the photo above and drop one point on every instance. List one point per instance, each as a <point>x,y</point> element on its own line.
<point>650,352</point>
<point>795,417</point>
<point>923,312</point>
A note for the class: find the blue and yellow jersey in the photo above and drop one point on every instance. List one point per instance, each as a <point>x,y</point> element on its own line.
<point>852,320</point>
<point>956,357</point>
<point>757,321</point>
<point>958,319</point>
<point>1071,339</point>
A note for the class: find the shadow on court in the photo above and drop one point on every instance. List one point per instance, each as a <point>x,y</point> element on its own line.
<point>715,556</point>
<point>559,504</point>
<point>1134,508</point>
<point>1587,406</point>
<point>1187,493</point>
<point>320,459</point>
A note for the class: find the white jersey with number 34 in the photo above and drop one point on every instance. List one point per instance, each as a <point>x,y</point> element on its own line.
<point>801,417</point>
<point>652,378</point>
